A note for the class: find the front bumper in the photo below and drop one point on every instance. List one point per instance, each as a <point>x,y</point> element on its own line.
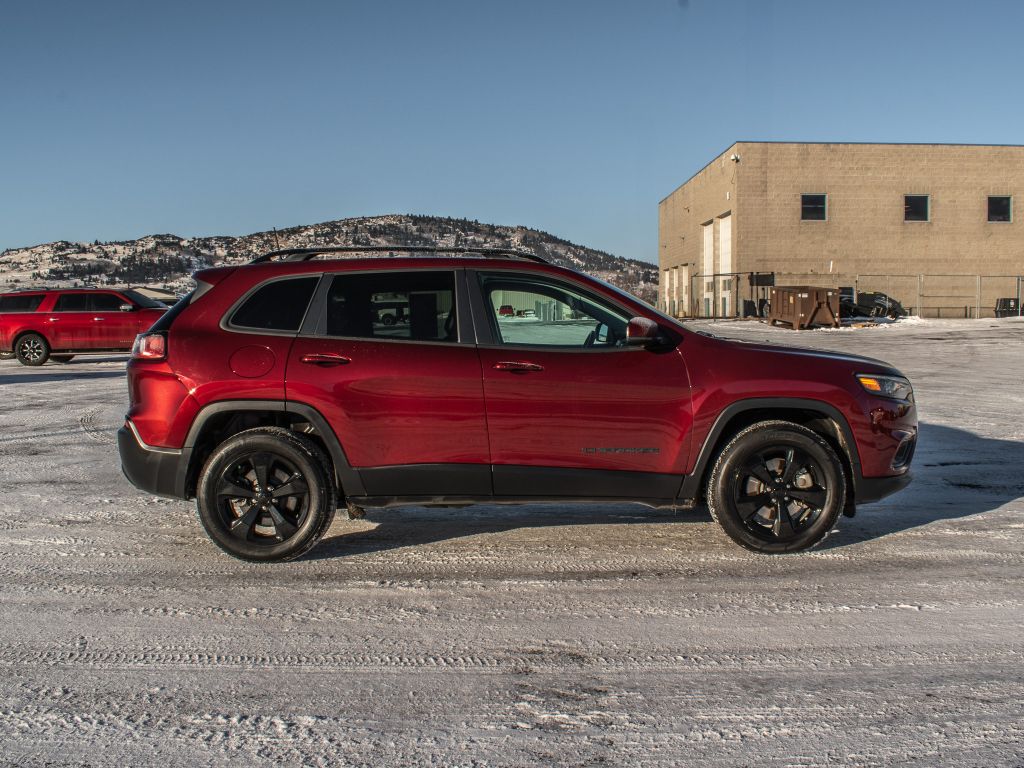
<point>871,489</point>
<point>160,471</point>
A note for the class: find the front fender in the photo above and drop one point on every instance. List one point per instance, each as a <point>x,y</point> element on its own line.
<point>694,480</point>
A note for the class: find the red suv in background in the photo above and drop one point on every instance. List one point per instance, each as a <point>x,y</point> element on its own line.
<point>275,393</point>
<point>36,326</point>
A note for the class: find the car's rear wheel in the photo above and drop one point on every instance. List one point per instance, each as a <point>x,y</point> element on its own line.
<point>32,349</point>
<point>62,358</point>
<point>777,487</point>
<point>266,494</point>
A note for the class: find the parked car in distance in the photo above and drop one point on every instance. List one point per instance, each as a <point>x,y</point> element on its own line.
<point>272,396</point>
<point>868,304</point>
<point>1008,307</point>
<point>506,310</point>
<point>389,311</point>
<point>57,324</point>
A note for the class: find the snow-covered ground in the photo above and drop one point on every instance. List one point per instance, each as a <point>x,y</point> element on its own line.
<point>525,636</point>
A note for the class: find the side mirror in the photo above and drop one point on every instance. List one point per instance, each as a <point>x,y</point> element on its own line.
<point>640,331</point>
<point>127,307</point>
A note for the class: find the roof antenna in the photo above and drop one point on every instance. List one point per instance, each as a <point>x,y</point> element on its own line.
<point>277,239</point>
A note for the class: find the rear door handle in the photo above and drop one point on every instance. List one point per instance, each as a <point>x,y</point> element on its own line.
<point>325,359</point>
<point>97,318</point>
<point>517,366</point>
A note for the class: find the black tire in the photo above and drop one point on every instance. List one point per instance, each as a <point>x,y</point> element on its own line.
<point>772,467</point>
<point>31,349</point>
<point>236,502</point>
<point>61,358</point>
<point>388,319</point>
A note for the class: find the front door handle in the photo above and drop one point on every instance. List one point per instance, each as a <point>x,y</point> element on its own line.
<point>325,359</point>
<point>517,366</point>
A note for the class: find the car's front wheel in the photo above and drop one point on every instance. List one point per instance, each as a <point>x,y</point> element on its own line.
<point>266,494</point>
<point>777,487</point>
<point>32,349</point>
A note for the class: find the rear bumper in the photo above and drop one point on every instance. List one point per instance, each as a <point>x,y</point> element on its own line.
<point>871,489</point>
<point>159,471</point>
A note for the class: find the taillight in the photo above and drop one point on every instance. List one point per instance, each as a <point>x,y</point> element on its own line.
<point>150,346</point>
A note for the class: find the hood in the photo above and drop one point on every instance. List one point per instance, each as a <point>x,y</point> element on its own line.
<point>865,364</point>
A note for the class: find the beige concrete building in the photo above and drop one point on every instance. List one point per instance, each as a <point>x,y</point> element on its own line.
<point>935,226</point>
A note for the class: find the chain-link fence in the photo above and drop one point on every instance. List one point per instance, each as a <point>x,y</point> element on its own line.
<point>963,296</point>
<point>743,294</point>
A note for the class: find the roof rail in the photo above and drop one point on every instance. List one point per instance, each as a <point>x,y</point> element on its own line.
<point>305,254</point>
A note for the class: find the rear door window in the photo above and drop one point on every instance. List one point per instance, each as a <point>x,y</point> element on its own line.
<point>72,302</point>
<point>278,305</point>
<point>20,303</point>
<point>412,306</point>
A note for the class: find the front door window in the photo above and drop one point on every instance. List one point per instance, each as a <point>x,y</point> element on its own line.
<point>528,312</point>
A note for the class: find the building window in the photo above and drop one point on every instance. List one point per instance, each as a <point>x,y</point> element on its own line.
<point>915,208</point>
<point>1000,208</point>
<point>813,207</point>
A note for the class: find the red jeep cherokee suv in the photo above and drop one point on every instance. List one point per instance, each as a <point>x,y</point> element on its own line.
<point>275,393</point>
<point>36,326</point>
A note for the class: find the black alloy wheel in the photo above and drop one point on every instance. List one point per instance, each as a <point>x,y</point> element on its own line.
<point>262,498</point>
<point>778,492</point>
<point>32,349</point>
<point>777,487</point>
<point>266,494</point>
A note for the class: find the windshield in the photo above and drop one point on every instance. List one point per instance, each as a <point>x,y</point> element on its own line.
<point>636,300</point>
<point>144,301</point>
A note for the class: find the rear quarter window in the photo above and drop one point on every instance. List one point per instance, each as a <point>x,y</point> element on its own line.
<point>279,305</point>
<point>28,303</point>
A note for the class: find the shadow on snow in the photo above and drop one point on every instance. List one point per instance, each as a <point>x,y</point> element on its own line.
<point>957,474</point>
<point>54,374</point>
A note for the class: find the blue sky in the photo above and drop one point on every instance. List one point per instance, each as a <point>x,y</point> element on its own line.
<point>120,119</point>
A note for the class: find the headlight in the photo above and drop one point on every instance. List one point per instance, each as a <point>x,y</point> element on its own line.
<point>887,386</point>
